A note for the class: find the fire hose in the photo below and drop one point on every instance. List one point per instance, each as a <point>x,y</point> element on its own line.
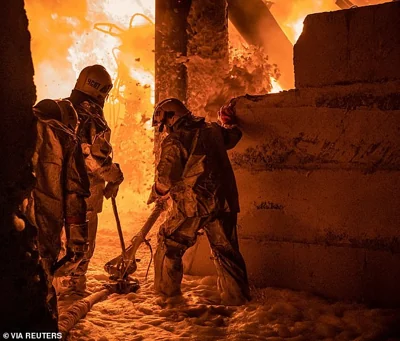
<point>119,269</point>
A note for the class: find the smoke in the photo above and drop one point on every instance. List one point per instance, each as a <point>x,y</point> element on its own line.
<point>250,73</point>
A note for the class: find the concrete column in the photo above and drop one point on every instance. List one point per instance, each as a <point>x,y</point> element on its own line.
<point>170,47</point>
<point>208,53</point>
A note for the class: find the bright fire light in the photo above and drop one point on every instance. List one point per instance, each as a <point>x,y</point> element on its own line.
<point>275,86</point>
<point>65,39</point>
<point>297,27</point>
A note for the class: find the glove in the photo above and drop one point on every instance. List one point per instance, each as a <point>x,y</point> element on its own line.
<point>227,115</point>
<point>111,190</point>
<point>156,196</point>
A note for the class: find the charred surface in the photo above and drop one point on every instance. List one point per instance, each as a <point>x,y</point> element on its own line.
<point>171,49</point>
<point>208,55</point>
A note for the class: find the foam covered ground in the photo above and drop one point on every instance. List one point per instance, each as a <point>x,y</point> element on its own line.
<point>273,314</point>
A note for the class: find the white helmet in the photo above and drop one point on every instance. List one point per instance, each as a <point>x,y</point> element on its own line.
<point>94,81</point>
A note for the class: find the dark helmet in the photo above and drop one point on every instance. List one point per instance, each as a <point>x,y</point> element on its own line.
<point>168,112</point>
<point>95,82</point>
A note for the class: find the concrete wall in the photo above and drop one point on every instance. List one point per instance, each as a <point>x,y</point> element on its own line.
<point>319,186</point>
<point>318,171</point>
<point>355,45</point>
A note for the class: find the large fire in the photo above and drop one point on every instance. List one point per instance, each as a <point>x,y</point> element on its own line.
<point>119,34</point>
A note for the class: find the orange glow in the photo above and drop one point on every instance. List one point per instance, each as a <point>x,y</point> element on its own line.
<point>275,86</point>
<point>291,14</point>
<point>67,36</point>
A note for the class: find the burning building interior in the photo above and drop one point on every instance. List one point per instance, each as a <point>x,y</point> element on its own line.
<point>175,133</point>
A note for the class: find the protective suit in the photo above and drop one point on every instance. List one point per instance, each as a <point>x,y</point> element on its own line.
<point>195,172</point>
<point>88,98</point>
<point>94,135</point>
<point>62,185</point>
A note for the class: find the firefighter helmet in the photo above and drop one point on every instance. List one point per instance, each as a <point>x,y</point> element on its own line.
<point>168,112</point>
<point>94,81</point>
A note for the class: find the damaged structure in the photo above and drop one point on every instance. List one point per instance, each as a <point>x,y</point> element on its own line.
<point>192,50</point>
<point>318,167</point>
<point>191,42</point>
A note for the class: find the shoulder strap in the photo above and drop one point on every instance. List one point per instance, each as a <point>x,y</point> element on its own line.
<point>192,149</point>
<point>69,116</point>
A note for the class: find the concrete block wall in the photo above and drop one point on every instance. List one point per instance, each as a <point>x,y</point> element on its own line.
<point>322,206</point>
<point>319,186</point>
<point>318,168</point>
<point>343,47</point>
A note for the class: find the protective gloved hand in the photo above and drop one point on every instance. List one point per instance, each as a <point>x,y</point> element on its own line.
<point>156,196</point>
<point>111,190</point>
<point>227,115</point>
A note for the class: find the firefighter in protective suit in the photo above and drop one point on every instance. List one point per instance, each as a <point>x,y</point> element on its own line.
<point>195,172</point>
<point>62,186</point>
<point>88,97</point>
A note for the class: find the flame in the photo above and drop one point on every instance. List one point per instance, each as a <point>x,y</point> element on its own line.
<point>65,40</point>
<point>297,28</point>
<point>275,86</point>
<point>120,11</point>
